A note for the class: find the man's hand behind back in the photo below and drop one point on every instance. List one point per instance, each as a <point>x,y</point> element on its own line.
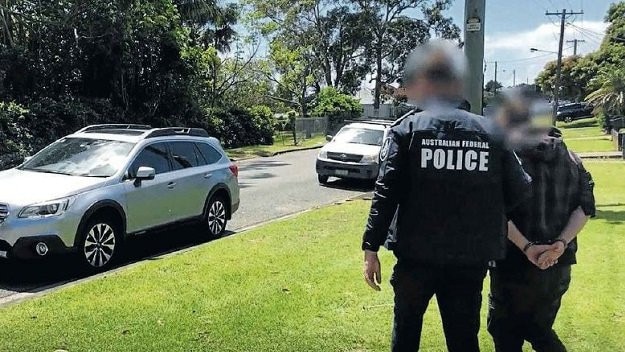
<point>372,270</point>
<point>534,252</point>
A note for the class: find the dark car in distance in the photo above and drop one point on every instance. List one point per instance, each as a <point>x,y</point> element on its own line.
<point>574,111</point>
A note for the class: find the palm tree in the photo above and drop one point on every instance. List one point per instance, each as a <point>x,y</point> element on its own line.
<point>610,97</point>
<point>210,23</point>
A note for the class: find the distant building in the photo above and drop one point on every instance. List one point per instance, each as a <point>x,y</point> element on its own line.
<point>388,110</point>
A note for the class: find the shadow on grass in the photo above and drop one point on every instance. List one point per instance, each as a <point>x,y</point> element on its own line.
<point>37,275</point>
<point>589,122</point>
<point>616,217</point>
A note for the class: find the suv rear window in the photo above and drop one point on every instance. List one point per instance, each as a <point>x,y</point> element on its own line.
<point>184,155</point>
<point>210,155</point>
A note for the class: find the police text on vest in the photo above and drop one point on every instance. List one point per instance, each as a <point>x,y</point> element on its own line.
<point>454,155</point>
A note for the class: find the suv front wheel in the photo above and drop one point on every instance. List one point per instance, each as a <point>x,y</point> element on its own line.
<point>100,243</point>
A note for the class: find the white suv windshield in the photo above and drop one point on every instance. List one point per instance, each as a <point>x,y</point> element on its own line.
<point>81,157</point>
<point>360,136</point>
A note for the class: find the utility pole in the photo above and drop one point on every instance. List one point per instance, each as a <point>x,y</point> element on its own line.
<point>575,41</point>
<point>556,92</point>
<point>496,77</point>
<point>474,11</point>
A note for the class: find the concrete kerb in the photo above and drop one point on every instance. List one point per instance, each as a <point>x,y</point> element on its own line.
<point>45,290</point>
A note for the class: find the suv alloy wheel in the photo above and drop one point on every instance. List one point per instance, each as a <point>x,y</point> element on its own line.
<point>216,216</point>
<point>100,243</point>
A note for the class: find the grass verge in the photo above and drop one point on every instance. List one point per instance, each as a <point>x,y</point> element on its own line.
<point>585,136</point>
<point>296,285</point>
<point>280,145</point>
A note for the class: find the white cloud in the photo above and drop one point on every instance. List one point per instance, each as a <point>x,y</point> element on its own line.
<point>512,50</point>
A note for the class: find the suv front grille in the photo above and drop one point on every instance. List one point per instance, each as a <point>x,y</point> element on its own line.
<point>344,157</point>
<point>4,212</point>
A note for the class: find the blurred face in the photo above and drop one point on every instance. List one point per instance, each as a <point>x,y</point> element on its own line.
<point>525,122</point>
<point>421,89</point>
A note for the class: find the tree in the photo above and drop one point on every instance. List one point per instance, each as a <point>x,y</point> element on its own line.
<point>610,96</point>
<point>492,86</point>
<point>210,25</point>
<point>333,37</point>
<point>615,33</point>
<point>573,80</point>
<point>395,34</point>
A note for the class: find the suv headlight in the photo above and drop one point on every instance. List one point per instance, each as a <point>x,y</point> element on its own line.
<point>323,154</point>
<point>51,208</point>
<point>370,159</point>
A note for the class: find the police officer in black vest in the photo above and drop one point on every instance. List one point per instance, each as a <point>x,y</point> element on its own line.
<point>449,177</point>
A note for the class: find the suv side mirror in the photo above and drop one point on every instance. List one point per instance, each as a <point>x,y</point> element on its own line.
<point>145,173</point>
<point>329,138</point>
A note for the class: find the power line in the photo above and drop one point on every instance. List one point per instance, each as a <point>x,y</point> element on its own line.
<point>585,35</point>
<point>525,58</point>
<point>522,59</point>
<point>597,34</point>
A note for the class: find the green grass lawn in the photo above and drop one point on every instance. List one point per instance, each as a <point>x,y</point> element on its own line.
<point>585,136</point>
<point>296,285</point>
<point>281,143</point>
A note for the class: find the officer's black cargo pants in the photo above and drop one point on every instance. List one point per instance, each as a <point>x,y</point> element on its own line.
<point>458,291</point>
<point>524,302</point>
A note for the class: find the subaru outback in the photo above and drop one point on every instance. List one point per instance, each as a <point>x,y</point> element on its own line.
<point>87,192</point>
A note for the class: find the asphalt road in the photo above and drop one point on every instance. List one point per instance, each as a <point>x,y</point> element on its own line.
<point>270,188</point>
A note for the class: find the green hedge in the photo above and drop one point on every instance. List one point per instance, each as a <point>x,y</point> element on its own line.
<point>27,129</point>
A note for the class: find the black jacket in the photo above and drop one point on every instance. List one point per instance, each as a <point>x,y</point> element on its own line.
<point>560,184</point>
<point>451,180</point>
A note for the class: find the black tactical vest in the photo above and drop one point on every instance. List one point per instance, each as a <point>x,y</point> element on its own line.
<point>453,211</point>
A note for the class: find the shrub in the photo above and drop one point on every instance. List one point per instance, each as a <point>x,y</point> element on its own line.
<point>241,127</point>
<point>336,106</point>
<point>15,138</point>
<point>264,122</point>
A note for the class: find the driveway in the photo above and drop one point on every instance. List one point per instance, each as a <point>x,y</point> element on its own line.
<point>270,188</point>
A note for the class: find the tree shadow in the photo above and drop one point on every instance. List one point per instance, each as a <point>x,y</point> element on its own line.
<point>261,165</point>
<point>588,122</point>
<point>616,217</point>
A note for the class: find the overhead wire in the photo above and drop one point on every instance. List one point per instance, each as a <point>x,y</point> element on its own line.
<point>596,34</point>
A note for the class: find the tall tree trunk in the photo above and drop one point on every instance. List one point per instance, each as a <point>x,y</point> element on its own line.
<point>378,77</point>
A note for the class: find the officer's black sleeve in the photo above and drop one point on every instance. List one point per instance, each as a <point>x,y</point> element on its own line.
<point>388,188</point>
<point>516,182</point>
<point>586,187</point>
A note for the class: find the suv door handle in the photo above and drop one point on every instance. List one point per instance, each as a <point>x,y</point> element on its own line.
<point>209,175</point>
<point>171,185</point>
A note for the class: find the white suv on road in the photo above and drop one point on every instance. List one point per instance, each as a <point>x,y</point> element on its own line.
<point>353,152</point>
<point>88,191</point>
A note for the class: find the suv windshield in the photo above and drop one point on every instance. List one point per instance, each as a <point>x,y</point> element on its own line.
<point>360,136</point>
<point>81,157</point>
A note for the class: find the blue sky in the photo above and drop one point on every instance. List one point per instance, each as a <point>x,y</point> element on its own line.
<point>512,27</point>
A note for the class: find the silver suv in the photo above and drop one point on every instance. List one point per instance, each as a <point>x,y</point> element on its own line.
<point>88,191</point>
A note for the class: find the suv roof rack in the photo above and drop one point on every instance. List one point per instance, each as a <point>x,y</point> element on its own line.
<point>114,127</point>
<point>177,131</point>
<point>372,121</point>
